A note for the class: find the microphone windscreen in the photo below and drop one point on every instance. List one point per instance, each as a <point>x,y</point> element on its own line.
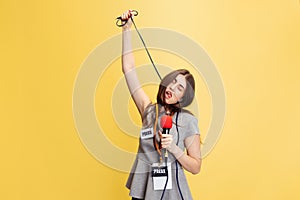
<point>166,121</point>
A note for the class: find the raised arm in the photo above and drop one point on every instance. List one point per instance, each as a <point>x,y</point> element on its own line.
<point>139,96</point>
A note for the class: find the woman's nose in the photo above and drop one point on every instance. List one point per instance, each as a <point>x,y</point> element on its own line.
<point>172,87</point>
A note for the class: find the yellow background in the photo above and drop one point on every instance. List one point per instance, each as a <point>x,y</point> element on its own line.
<point>254,44</point>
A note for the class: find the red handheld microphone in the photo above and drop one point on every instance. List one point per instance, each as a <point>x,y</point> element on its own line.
<point>166,123</point>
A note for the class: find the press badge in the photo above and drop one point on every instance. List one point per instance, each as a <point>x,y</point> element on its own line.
<point>160,172</point>
<point>147,133</point>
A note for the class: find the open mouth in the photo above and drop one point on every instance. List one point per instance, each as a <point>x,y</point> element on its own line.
<point>168,94</point>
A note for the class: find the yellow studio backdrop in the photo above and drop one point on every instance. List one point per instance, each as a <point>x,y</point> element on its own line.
<point>254,44</point>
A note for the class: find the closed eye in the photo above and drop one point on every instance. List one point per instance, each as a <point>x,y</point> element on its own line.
<point>180,88</point>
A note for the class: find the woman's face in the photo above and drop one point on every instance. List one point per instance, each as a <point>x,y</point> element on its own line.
<point>175,90</point>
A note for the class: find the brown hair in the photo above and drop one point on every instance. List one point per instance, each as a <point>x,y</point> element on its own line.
<point>189,91</point>
<point>148,117</point>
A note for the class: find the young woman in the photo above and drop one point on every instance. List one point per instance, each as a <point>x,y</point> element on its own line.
<point>151,178</point>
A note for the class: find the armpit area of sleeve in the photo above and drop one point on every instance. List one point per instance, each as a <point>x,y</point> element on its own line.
<point>193,128</point>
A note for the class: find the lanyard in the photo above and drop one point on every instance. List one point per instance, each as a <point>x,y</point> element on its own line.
<point>155,142</point>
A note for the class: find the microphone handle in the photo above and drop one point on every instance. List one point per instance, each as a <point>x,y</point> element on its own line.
<point>165,152</point>
<point>166,131</point>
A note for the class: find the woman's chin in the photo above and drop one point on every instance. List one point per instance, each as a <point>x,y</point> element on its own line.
<point>167,102</point>
<point>170,102</point>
